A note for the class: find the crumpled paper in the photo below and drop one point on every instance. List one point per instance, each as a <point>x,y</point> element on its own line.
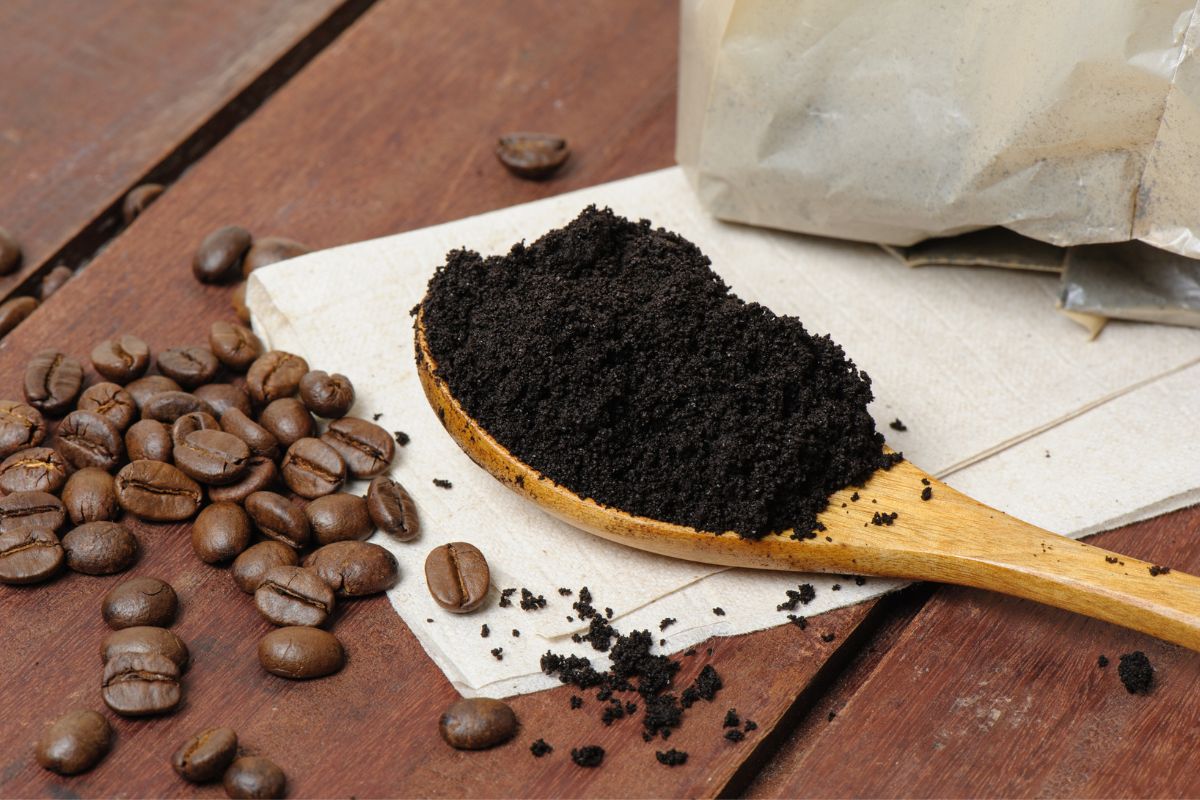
<point>1006,402</point>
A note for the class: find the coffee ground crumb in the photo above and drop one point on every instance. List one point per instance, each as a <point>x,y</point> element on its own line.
<point>720,612</point>
<point>734,735</point>
<point>804,594</point>
<point>1156,570</point>
<point>377,417</point>
<point>516,633</point>
<point>485,631</point>
<point>1102,661</point>
<point>506,597</point>
<point>691,651</point>
<point>750,725</point>
<point>705,687</point>
<point>884,519</point>
<point>666,622</point>
<point>1110,559</point>
<point>564,591</point>
<point>828,637</point>
<point>401,438</point>
<point>837,587</point>
<point>529,602</point>
<point>672,757</point>
<point>591,755</point>
<point>1135,672</point>
<point>732,720</point>
<point>897,425</point>
<point>927,493</point>
<point>854,497</point>
<point>859,580</point>
<point>798,621</point>
<point>576,702</point>
<point>539,748</point>
<point>498,653</point>
<point>442,483</point>
<point>831,716</point>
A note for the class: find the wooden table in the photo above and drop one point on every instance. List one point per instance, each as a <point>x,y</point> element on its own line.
<point>332,121</point>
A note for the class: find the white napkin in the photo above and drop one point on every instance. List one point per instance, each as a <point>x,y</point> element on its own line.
<point>984,374</point>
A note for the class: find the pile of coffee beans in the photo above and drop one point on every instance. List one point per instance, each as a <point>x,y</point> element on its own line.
<point>213,754</point>
<point>230,253</point>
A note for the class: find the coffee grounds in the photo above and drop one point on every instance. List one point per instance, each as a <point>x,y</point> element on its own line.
<point>750,725</point>
<point>516,633</point>
<point>884,519</point>
<point>828,637</point>
<point>720,612</point>
<point>506,597</point>
<point>609,357</point>
<point>897,425</point>
<point>732,720</point>
<point>798,621</point>
<point>734,735</point>
<point>591,755</point>
<point>672,757</point>
<point>576,702</point>
<point>805,594</point>
<point>377,416</point>
<point>540,748</point>
<point>1135,672</point>
<point>530,602</point>
<point>705,687</point>
<point>927,493</point>
<point>564,591</point>
<point>498,653</point>
<point>1102,661</point>
<point>401,438</point>
<point>1156,570</point>
<point>485,631</point>
<point>442,483</point>
<point>666,622</point>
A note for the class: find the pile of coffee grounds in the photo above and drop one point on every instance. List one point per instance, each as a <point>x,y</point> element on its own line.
<point>591,755</point>
<point>672,757</point>
<point>608,356</point>
<point>1135,672</point>
<point>539,748</point>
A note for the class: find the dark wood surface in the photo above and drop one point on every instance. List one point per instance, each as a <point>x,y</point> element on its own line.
<point>390,127</point>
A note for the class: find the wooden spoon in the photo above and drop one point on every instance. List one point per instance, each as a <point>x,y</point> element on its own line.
<point>949,538</point>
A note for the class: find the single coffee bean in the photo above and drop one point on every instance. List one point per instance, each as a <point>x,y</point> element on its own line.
<point>254,777</point>
<point>142,640</point>
<point>477,723</point>
<point>311,468</point>
<point>55,279</point>
<point>32,510</point>
<point>219,256</point>
<point>260,440</point>
<point>190,423</point>
<point>10,253</point>
<point>86,439</point>
<point>278,518</point>
<point>170,406</point>
<point>29,555</point>
<point>354,569</point>
<point>220,533</point>
<point>141,684</point>
<point>14,311</point>
<point>235,346</point>
<point>262,475</point>
<point>366,448</point>
<point>21,426</point>
<point>252,566</point>
<point>140,601</point>
<point>143,389</point>
<point>326,395</point>
<point>300,652</point>
<point>89,496</point>
<point>188,366</point>
<point>156,491</point>
<point>238,303</point>
<point>52,382</point>
<point>100,548</point>
<point>139,199</point>
<point>205,756</point>
<point>74,743</point>
<point>338,517</point>
<point>458,577</point>
<point>35,469</point>
<point>271,250</point>
<point>392,509</point>
<point>294,596</point>
<point>273,375</point>
<point>213,457</point>
<point>224,396</point>
<point>288,420</point>
<point>122,359</point>
<point>148,440</point>
<point>534,156</point>
<point>111,402</point>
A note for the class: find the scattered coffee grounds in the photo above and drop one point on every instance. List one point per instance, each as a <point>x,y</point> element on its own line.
<point>734,735</point>
<point>859,580</point>
<point>591,755</point>
<point>662,642</point>
<point>666,622</point>
<point>897,425</point>
<point>401,438</point>
<point>750,725</point>
<point>691,651</point>
<point>672,757</point>
<point>1135,672</point>
<point>442,483</point>
<point>1110,559</point>
<point>732,720</point>
<point>564,591</point>
<point>539,748</point>
<point>529,602</point>
<point>485,631</point>
<point>1102,661</point>
<point>927,493</point>
<point>804,594</point>
<point>705,687</point>
<point>516,633</point>
<point>608,613</point>
<point>837,587</point>
<point>828,637</point>
<point>1156,570</point>
<point>506,597</point>
<point>924,481</point>
<point>498,653</point>
<point>720,612</point>
<point>608,356</point>
<point>798,621</point>
<point>884,519</point>
<point>613,711</point>
<point>576,702</point>
<point>377,417</point>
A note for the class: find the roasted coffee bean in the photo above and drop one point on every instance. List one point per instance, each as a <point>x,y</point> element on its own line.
<point>294,596</point>
<point>238,303</point>
<point>52,382</point>
<point>338,517</point>
<point>273,375</point>
<point>33,510</point>
<point>74,743</point>
<point>311,468</point>
<point>190,423</point>
<point>100,548</point>
<point>477,723</point>
<point>252,566</point>
<point>262,475</point>
<point>156,491</point>
<point>354,569</point>
<point>288,420</point>
<point>278,518</point>
<point>458,577</point>
<point>122,359</point>
<point>140,601</point>
<point>271,250</point>
<point>205,756</point>
<point>55,279</point>
<point>142,640</point>
<point>139,199</point>
<point>141,684</point>
<point>224,396</point>
<point>10,253</point>
<point>234,345</point>
<point>143,389</point>
<point>213,457</point>
<point>148,440</point>
<point>86,439</point>
<point>392,509</point>
<point>14,311</point>
<point>534,156</point>
<point>300,652</point>
<point>219,256</point>
<point>260,440</point>
<point>326,395</point>
<point>21,427</point>
<point>188,366</point>
<point>220,533</point>
<point>170,406</point>
<point>89,496</point>
<point>254,777</point>
<point>35,469</point>
<point>29,555</point>
<point>366,448</point>
<point>111,402</point>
